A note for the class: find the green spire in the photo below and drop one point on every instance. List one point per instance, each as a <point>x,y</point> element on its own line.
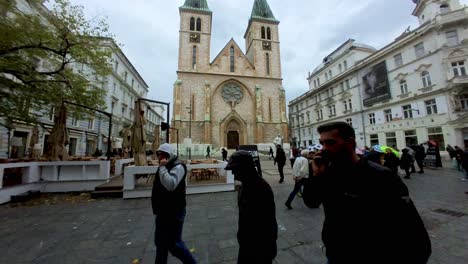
<point>200,5</point>
<point>261,10</point>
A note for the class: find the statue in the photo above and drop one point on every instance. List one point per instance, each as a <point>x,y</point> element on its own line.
<point>278,140</point>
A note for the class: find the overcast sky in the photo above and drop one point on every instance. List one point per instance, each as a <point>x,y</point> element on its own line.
<point>309,31</point>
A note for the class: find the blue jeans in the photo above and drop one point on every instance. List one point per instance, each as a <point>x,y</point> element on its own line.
<point>168,238</point>
<point>297,188</point>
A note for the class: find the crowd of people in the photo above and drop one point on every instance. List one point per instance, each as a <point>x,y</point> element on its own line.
<point>369,214</point>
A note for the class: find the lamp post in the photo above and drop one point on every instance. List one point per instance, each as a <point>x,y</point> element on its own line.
<point>190,129</point>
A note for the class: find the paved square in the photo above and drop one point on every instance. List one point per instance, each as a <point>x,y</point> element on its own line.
<point>121,231</point>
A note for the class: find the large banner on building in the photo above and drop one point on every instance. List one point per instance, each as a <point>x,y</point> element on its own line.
<point>375,84</point>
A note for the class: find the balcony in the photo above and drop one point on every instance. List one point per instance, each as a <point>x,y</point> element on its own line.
<point>450,18</point>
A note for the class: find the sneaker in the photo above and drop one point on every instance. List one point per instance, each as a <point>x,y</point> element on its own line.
<point>288,205</point>
<point>281,181</point>
<point>299,194</point>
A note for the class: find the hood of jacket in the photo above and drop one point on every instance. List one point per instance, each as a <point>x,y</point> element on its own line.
<point>167,148</point>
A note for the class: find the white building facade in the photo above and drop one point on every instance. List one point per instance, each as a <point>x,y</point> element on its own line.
<point>412,90</point>
<point>123,86</point>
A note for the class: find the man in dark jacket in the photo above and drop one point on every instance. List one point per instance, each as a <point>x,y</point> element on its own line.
<point>420,154</point>
<point>464,163</point>
<point>168,202</point>
<point>258,229</point>
<point>280,159</point>
<point>369,216</point>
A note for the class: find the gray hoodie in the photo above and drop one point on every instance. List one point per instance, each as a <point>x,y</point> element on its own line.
<point>170,179</point>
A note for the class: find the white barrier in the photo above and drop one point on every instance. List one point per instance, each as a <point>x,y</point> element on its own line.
<point>130,190</point>
<point>56,176</point>
<point>119,165</point>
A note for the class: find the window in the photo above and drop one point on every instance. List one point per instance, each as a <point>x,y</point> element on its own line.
<point>372,118</point>
<point>114,88</point>
<point>192,23</point>
<point>431,107</point>
<point>318,81</point>
<point>133,82</point>
<point>398,60</point>
<point>452,38</point>
<point>263,32</point>
<point>198,24</point>
<point>319,114</point>
<point>348,106</point>
<point>419,50</point>
<point>112,107</point>
<point>268,33</point>
<point>125,76</point>
<point>426,79</point>
<point>340,68</point>
<point>90,124</point>
<point>232,59</point>
<point>332,110</point>
<point>403,87</point>
<point>326,76</point>
<point>52,113</point>
<point>444,8</point>
<point>124,109</point>
<point>330,74</point>
<point>194,57</point>
<point>458,68</point>
<point>308,117</point>
<point>435,133</point>
<point>374,139</point>
<point>391,139</point>
<point>116,66</point>
<point>388,115</point>
<point>349,121</point>
<point>407,112</point>
<point>332,92</point>
<point>411,138</point>
<point>75,122</point>
<point>315,84</point>
<point>342,86</point>
<point>345,63</point>
<point>463,99</point>
<point>319,97</point>
<point>267,62</point>
<point>347,84</point>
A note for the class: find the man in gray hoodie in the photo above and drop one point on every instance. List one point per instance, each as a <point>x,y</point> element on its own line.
<point>168,202</point>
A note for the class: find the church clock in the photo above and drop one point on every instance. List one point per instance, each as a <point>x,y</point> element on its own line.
<point>195,37</point>
<point>266,45</point>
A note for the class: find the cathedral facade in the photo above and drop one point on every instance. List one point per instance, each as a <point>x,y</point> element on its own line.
<point>237,98</point>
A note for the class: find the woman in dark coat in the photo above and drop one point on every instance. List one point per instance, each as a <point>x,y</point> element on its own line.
<point>391,161</point>
<point>405,162</point>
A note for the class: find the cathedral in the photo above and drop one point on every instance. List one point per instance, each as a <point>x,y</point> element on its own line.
<point>238,97</point>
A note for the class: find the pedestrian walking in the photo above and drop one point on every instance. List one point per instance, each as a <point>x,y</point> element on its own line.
<point>294,152</point>
<point>224,152</point>
<point>464,162</point>
<point>257,229</point>
<point>419,155</point>
<point>451,151</point>
<point>270,154</point>
<point>168,203</point>
<point>369,215</point>
<point>208,150</point>
<point>458,158</point>
<point>391,161</point>
<point>300,173</point>
<point>405,163</point>
<point>280,159</point>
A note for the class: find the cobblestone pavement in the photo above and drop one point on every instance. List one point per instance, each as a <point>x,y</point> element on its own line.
<point>121,231</point>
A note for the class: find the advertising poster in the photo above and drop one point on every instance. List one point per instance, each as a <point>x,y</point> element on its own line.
<point>375,84</point>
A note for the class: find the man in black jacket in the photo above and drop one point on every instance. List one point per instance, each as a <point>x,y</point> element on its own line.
<point>280,159</point>
<point>258,229</point>
<point>168,202</point>
<point>369,216</point>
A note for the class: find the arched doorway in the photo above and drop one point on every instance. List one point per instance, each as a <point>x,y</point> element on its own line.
<point>232,139</point>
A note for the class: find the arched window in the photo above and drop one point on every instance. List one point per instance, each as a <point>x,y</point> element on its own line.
<point>444,8</point>
<point>198,24</point>
<point>268,33</point>
<point>267,62</point>
<point>194,57</point>
<point>192,23</point>
<point>232,58</point>
<point>263,32</point>
<point>426,79</point>
<point>345,65</point>
<point>340,67</point>
<point>403,87</point>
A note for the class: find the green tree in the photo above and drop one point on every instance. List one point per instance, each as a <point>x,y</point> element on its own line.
<point>47,56</point>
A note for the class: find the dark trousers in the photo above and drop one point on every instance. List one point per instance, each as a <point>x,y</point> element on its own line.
<point>297,188</point>
<point>292,162</point>
<point>407,171</point>
<point>280,170</point>
<point>413,168</point>
<point>168,238</point>
<point>420,165</point>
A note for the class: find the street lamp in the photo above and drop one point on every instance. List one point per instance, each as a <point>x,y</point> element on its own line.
<point>190,129</point>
